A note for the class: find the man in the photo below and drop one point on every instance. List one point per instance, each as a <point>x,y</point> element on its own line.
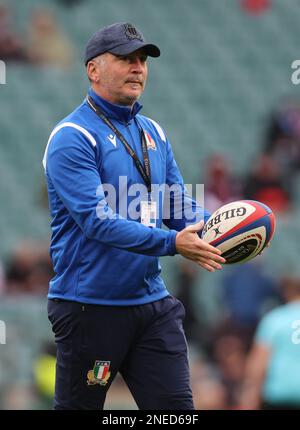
<point>272,377</point>
<point>108,305</point>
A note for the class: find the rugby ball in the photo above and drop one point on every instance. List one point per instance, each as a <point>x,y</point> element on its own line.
<point>241,230</point>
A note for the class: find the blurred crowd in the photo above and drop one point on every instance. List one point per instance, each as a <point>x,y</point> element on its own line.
<point>247,357</point>
<point>273,177</point>
<point>44,42</point>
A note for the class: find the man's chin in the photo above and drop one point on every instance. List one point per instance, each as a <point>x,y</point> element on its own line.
<point>130,98</point>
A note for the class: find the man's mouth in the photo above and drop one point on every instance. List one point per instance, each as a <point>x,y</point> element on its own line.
<point>134,82</point>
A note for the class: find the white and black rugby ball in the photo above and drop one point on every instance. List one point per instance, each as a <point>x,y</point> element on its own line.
<point>241,230</point>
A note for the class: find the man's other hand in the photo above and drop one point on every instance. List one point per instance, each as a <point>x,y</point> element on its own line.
<point>190,246</point>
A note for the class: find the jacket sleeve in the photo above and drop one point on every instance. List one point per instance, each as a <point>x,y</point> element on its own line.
<point>71,167</point>
<point>180,209</point>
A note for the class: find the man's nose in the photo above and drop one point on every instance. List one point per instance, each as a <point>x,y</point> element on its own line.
<point>137,65</point>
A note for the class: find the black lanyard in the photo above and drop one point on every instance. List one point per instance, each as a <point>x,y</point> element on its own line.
<point>144,170</point>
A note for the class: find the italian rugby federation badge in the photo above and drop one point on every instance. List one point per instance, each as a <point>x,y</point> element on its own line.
<point>100,373</point>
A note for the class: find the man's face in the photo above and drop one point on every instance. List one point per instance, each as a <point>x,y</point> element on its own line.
<point>119,79</point>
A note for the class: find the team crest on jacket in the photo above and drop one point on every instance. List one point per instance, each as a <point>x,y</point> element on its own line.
<point>100,374</point>
<point>149,141</point>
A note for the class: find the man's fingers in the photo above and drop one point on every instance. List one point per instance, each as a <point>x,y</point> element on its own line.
<point>206,263</point>
<point>189,244</point>
<point>195,227</point>
<point>207,247</point>
<point>215,257</point>
<point>208,251</point>
<point>206,267</point>
<point>210,263</point>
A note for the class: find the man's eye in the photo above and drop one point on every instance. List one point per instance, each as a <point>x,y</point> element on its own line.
<point>122,57</point>
<point>128,58</point>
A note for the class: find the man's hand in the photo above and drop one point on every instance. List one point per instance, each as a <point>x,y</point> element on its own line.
<point>190,246</point>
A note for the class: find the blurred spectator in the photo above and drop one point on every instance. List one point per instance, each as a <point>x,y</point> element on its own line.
<point>47,45</point>
<point>44,376</point>
<point>221,186</point>
<point>255,7</point>
<point>283,138</point>
<point>229,357</point>
<point>29,270</point>
<point>248,292</point>
<point>272,378</point>
<point>208,391</point>
<point>18,396</point>
<point>11,47</point>
<point>266,184</point>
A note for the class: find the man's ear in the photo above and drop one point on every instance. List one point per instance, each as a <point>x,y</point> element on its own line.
<point>92,71</point>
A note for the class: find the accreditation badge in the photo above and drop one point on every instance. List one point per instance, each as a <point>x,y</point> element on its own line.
<point>148,213</point>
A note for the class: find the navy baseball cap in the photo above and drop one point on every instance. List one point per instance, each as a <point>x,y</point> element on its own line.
<point>120,39</point>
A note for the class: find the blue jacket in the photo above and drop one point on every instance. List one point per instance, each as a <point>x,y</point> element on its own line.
<point>101,253</point>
